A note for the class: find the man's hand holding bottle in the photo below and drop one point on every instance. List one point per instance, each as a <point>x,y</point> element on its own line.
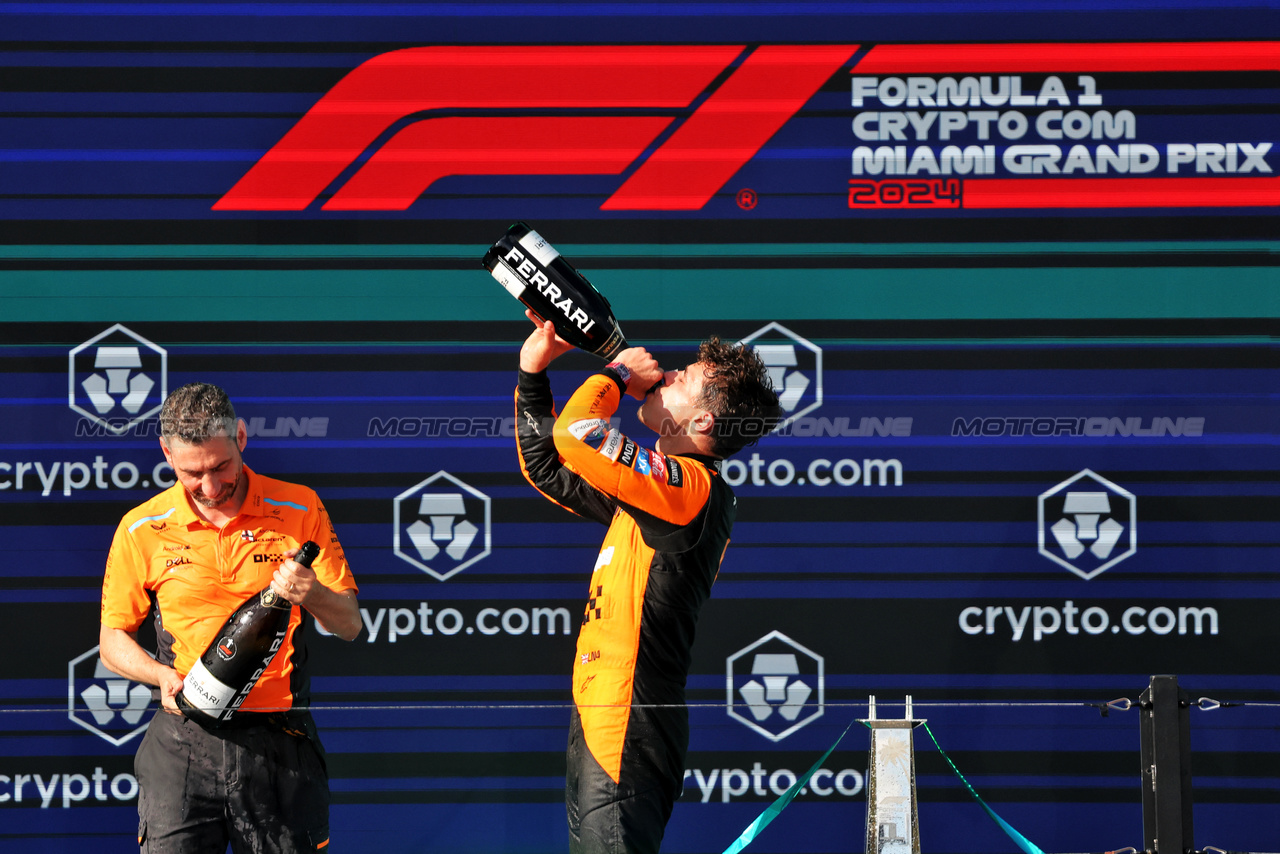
<point>641,371</point>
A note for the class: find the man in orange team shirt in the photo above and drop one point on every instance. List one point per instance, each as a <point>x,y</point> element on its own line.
<point>190,556</point>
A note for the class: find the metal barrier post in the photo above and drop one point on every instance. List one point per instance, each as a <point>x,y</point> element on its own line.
<point>1164,715</point>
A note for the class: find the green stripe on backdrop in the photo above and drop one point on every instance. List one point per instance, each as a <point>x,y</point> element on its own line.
<point>637,294</point>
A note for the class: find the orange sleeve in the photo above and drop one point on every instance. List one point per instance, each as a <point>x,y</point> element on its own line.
<point>330,567</point>
<point>125,603</point>
<point>640,478</point>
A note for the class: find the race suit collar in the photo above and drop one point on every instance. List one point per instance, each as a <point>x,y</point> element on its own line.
<point>707,460</point>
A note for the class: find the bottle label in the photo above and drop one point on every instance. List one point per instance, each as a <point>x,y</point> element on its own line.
<point>537,246</point>
<point>206,692</point>
<point>508,278</point>
<point>268,598</point>
<point>226,648</point>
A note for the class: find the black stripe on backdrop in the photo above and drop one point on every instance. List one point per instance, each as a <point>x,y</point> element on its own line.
<point>886,507</point>
<point>375,332</point>
<point>556,664</point>
<point>1030,794</point>
<point>929,357</point>
<point>198,48</point>
<point>1137,80</point>
<point>1082,762</point>
<point>973,227</point>
<point>358,51</point>
<point>124,79</point>
<point>852,570</point>
<point>849,633</point>
<point>133,114</point>
<point>395,480</point>
<point>1144,111</point>
<point>554,794</point>
<point>847,345</point>
<point>1197,111</point>
<point>119,77</point>
<point>880,506</point>
<point>1111,83</point>
<point>1045,260</point>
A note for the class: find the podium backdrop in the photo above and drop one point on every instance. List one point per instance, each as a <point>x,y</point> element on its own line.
<point>1014,273</point>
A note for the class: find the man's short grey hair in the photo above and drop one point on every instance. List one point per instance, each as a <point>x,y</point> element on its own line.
<point>196,413</point>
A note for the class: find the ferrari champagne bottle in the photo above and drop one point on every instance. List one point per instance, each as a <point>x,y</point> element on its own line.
<point>533,272</point>
<point>243,648</point>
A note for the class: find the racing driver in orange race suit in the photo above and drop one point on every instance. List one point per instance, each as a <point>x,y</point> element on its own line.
<point>669,514</point>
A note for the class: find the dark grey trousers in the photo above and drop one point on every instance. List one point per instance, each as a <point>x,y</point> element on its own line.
<point>258,788</point>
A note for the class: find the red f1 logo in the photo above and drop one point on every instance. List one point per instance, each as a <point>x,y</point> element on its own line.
<point>474,111</point>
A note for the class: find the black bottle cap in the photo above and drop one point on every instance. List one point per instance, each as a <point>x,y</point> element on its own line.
<point>307,552</point>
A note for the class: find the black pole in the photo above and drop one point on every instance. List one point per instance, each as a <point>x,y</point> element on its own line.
<point>1164,714</point>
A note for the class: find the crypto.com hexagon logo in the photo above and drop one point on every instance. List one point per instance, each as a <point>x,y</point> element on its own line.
<point>795,367</point>
<point>1088,517</point>
<point>775,686</point>
<point>438,525</point>
<point>105,703</point>
<point>117,378</point>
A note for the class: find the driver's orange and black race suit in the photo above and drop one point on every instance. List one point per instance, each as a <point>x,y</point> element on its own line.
<point>669,519</point>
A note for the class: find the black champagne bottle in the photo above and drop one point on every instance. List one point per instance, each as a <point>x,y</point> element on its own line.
<point>240,653</point>
<point>533,272</point>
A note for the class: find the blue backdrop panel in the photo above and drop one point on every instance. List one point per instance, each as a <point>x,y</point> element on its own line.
<point>904,563</point>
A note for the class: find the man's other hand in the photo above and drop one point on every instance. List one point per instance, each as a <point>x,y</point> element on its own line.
<point>542,346</point>
<point>644,369</point>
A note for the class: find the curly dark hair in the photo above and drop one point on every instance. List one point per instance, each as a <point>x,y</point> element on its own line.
<point>739,393</point>
<point>196,413</point>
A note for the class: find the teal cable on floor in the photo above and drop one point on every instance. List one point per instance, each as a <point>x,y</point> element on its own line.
<point>1022,842</point>
<point>771,812</point>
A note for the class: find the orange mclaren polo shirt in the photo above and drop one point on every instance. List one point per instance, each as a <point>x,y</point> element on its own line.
<point>198,574</point>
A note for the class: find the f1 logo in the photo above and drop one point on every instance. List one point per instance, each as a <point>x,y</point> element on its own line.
<point>429,112</point>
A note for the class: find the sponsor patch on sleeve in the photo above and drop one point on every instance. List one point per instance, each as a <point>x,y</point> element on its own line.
<point>675,477</point>
<point>590,430</point>
<point>642,461</point>
<point>612,442</point>
<point>628,455</point>
<point>659,464</point>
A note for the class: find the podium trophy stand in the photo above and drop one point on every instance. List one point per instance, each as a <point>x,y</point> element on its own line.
<point>893,825</point>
